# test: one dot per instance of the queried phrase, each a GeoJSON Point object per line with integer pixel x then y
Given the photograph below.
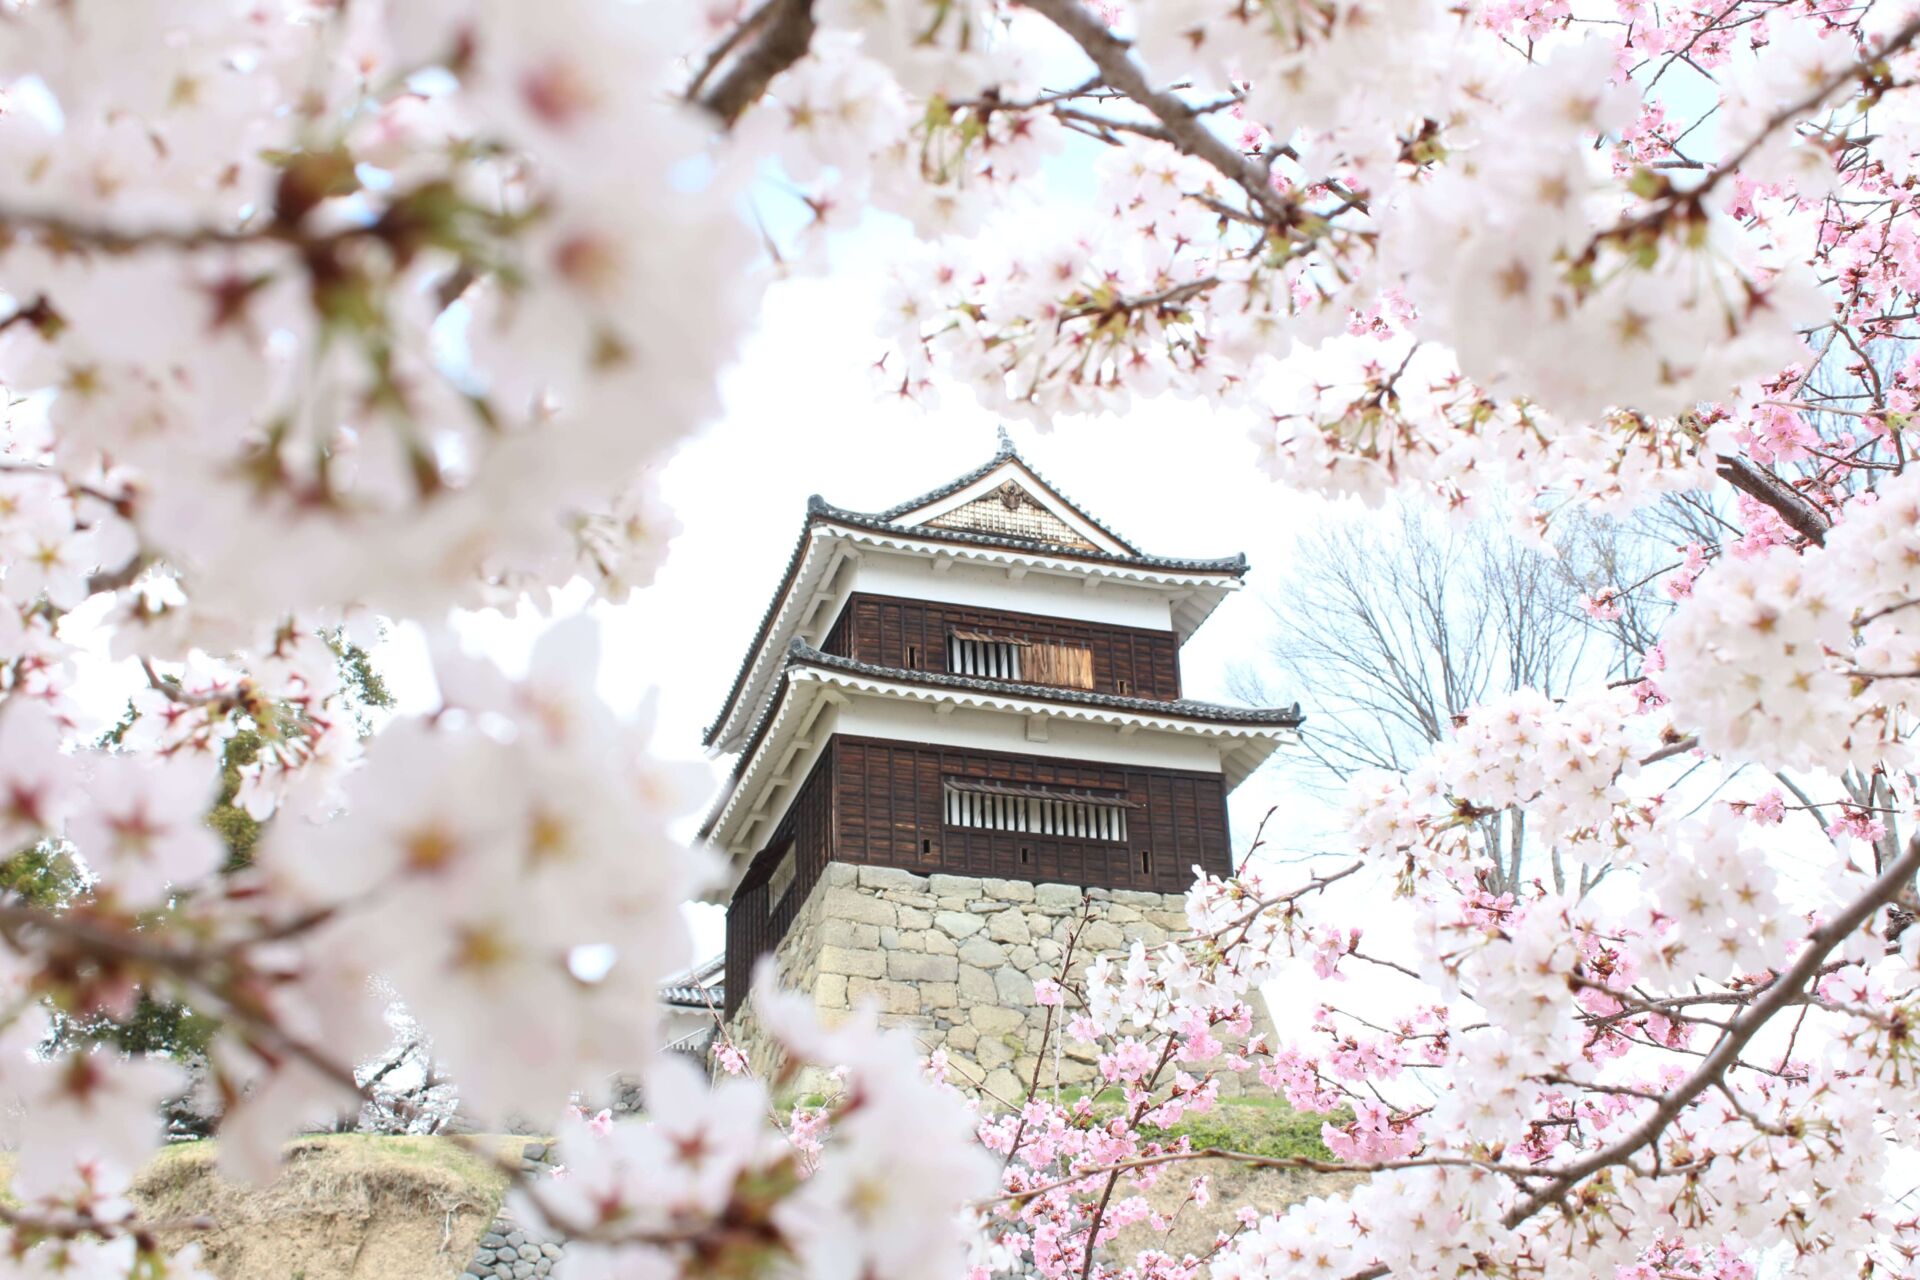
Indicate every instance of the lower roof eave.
{"type": "Point", "coordinates": [1249, 735]}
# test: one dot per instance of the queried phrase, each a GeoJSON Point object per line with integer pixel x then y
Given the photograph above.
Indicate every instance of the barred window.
{"type": "Point", "coordinates": [971, 653]}
{"type": "Point", "coordinates": [1039, 810]}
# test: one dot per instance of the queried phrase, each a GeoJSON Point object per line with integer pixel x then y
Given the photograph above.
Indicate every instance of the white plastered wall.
{"type": "Point", "coordinates": [981, 586]}
{"type": "Point", "coordinates": [973, 729]}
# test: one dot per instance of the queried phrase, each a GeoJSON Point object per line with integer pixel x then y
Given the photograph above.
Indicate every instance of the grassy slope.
{"type": "Point", "coordinates": [1259, 1126]}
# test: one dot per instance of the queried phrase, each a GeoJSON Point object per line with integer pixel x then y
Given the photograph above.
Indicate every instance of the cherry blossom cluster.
{"type": "Point", "coordinates": [322, 316]}
{"type": "Point", "coordinates": [1564, 764]}
{"type": "Point", "coordinates": [385, 357]}
{"type": "Point", "coordinates": [1807, 657]}
{"type": "Point", "coordinates": [873, 1182]}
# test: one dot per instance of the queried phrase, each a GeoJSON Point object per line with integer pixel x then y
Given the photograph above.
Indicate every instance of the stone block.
{"type": "Point", "coordinates": [963, 1038]}
{"type": "Point", "coordinates": [961, 1069]}
{"type": "Point", "coordinates": [959, 924]}
{"type": "Point", "coordinates": [839, 875]}
{"type": "Point", "coordinates": [1008, 890]}
{"type": "Point", "coordinates": [953, 886]}
{"type": "Point", "coordinates": [1141, 898]}
{"type": "Point", "coordinates": [830, 991]}
{"type": "Point", "coordinates": [939, 943]}
{"type": "Point", "coordinates": [1144, 931]}
{"type": "Point", "coordinates": [1055, 899]}
{"type": "Point", "coordinates": [913, 918]}
{"type": "Point", "coordinates": [979, 951]}
{"type": "Point", "coordinates": [889, 937]}
{"type": "Point", "coordinates": [918, 901]}
{"type": "Point", "coordinates": [917, 966]}
{"type": "Point", "coordinates": [1101, 935]}
{"type": "Point", "coordinates": [891, 878]}
{"type": "Point", "coordinates": [854, 964]}
{"type": "Point", "coordinates": [846, 933]}
{"type": "Point", "coordinates": [862, 908]}
{"type": "Point", "coordinates": [1013, 989]}
{"type": "Point", "coordinates": [1023, 958]}
{"type": "Point", "coordinates": [1048, 951]}
{"type": "Point", "coordinates": [888, 997]}
{"type": "Point", "coordinates": [1073, 1071]}
{"type": "Point", "coordinates": [976, 985]}
{"type": "Point", "coordinates": [1002, 1084]}
{"type": "Point", "coordinates": [938, 995]}
{"type": "Point", "coordinates": [1009, 926]}
{"type": "Point", "coordinates": [993, 1052]}
{"type": "Point", "coordinates": [992, 1020]}
{"type": "Point", "coordinates": [1119, 914]}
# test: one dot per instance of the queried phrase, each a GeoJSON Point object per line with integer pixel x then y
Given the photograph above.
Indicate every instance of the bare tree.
{"type": "Point", "coordinates": [1388, 632]}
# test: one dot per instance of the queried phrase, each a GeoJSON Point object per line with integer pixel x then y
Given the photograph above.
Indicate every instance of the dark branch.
{"type": "Point", "coordinates": [784, 31]}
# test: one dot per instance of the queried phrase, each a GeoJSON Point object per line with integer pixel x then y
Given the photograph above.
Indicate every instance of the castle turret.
{"type": "Point", "coordinates": [961, 738]}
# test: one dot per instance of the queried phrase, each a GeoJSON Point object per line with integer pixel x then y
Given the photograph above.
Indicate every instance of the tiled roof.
{"type": "Point", "coordinates": [1002, 454]}
{"type": "Point", "coordinates": [819, 509]}
{"type": "Point", "coordinates": [698, 988]}
{"type": "Point", "coordinates": [818, 506]}
{"type": "Point", "coordinates": [801, 654]}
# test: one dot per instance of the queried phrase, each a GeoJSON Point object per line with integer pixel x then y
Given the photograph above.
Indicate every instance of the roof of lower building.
{"type": "Point", "coordinates": [701, 987]}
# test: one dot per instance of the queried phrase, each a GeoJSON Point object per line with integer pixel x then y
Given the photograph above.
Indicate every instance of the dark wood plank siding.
{"type": "Point", "coordinates": [896, 632]}
{"type": "Point", "coordinates": [755, 927]}
{"type": "Point", "coordinates": [891, 812]}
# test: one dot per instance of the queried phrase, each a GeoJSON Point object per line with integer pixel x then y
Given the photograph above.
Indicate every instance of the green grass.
{"type": "Point", "coordinates": [1260, 1126]}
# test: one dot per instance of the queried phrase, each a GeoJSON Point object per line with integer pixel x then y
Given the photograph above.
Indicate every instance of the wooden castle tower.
{"type": "Point", "coordinates": [961, 738]}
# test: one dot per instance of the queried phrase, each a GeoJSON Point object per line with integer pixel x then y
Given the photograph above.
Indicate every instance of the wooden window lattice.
{"type": "Point", "coordinates": [973, 653]}
{"type": "Point", "coordinates": [1066, 665]}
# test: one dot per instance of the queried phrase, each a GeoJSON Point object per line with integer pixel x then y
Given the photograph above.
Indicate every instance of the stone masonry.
{"type": "Point", "coordinates": [955, 958]}
{"type": "Point", "coordinates": [509, 1250]}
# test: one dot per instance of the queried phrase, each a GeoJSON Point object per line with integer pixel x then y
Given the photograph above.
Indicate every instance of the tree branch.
{"type": "Point", "coordinates": [1770, 490]}
{"type": "Point", "coordinates": [1787, 990]}
{"type": "Point", "coordinates": [1184, 128]}
{"type": "Point", "coordinates": [785, 32]}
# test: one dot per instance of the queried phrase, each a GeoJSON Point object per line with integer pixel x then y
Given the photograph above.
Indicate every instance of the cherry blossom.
{"type": "Point", "coordinates": [322, 318]}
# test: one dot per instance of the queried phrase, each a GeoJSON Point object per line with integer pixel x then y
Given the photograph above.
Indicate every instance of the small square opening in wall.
{"type": "Point", "coordinates": [1026, 855]}
{"type": "Point", "coordinates": [1122, 688]}
{"type": "Point", "coordinates": [1146, 862]}
{"type": "Point", "coordinates": [913, 657]}
{"type": "Point", "coordinates": [782, 878]}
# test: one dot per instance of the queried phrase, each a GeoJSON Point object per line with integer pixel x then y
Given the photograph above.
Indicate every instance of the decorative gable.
{"type": "Point", "coordinates": [1010, 511]}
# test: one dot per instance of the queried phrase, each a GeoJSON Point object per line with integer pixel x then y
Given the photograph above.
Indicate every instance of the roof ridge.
{"type": "Point", "coordinates": [1006, 451]}
{"type": "Point", "coordinates": [1235, 563]}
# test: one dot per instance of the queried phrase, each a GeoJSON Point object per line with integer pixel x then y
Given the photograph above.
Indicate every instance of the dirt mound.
{"type": "Point", "coordinates": [348, 1207]}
